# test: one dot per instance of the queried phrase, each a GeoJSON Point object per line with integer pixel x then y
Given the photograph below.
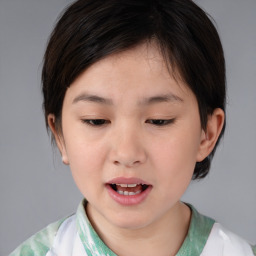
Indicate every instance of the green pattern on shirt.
{"type": "Point", "coordinates": [40, 243]}
{"type": "Point", "coordinates": [199, 230]}
{"type": "Point", "coordinates": [254, 249]}
{"type": "Point", "coordinates": [92, 243]}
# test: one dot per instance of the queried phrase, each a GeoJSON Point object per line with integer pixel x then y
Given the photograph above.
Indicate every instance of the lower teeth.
{"type": "Point", "coordinates": [127, 193]}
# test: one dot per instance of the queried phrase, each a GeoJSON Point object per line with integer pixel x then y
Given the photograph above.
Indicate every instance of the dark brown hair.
{"type": "Point", "coordinates": [90, 30]}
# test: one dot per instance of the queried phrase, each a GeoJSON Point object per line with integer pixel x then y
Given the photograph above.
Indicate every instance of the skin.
{"type": "Point", "coordinates": [130, 143]}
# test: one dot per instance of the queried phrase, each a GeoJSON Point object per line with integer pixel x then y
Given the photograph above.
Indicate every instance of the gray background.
{"type": "Point", "coordinates": [37, 189]}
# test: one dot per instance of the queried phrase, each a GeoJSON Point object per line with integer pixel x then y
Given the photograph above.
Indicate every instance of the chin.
{"type": "Point", "coordinates": [130, 221]}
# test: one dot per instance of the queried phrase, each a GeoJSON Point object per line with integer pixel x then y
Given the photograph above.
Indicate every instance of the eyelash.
{"type": "Point", "coordinates": [160, 122]}
{"type": "Point", "coordinates": [95, 122]}
{"type": "Point", "coordinates": [101, 122]}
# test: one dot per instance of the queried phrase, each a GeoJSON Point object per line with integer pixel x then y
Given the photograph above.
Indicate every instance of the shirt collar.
{"type": "Point", "coordinates": [198, 233]}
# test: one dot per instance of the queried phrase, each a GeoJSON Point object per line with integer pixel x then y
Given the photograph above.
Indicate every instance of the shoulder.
{"type": "Point", "coordinates": [221, 241]}
{"type": "Point", "coordinates": [40, 243]}
{"type": "Point", "coordinates": [254, 249]}
{"type": "Point", "coordinates": [206, 237]}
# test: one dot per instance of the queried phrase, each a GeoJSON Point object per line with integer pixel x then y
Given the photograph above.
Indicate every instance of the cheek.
{"type": "Point", "coordinates": [174, 176]}
{"type": "Point", "coordinates": [176, 159]}
{"type": "Point", "coordinates": [176, 169]}
{"type": "Point", "coordinates": [85, 160]}
{"type": "Point", "coordinates": [81, 149]}
{"type": "Point", "coordinates": [86, 171]}
{"type": "Point", "coordinates": [177, 152]}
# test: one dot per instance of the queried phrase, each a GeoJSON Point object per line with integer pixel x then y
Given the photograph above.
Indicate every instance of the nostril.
{"type": "Point", "coordinates": [127, 153]}
{"type": "Point", "coordinates": [126, 163]}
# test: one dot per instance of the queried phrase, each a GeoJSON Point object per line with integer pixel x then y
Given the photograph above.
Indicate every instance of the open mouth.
{"type": "Point", "coordinates": [129, 189]}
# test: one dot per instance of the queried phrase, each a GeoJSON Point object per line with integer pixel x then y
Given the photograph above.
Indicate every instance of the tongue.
{"type": "Point", "coordinates": [134, 189]}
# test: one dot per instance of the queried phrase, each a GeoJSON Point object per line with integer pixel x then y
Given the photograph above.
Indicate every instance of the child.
{"type": "Point", "coordinates": [134, 95]}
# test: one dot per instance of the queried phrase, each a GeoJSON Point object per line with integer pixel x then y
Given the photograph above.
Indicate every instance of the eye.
{"type": "Point", "coordinates": [160, 122]}
{"type": "Point", "coordinates": [95, 122]}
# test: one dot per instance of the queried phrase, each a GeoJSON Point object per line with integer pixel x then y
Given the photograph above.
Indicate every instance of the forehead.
{"type": "Point", "coordinates": [146, 57]}
{"type": "Point", "coordinates": [140, 71]}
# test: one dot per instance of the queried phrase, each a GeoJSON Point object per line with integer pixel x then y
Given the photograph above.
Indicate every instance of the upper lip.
{"type": "Point", "coordinates": [123, 180]}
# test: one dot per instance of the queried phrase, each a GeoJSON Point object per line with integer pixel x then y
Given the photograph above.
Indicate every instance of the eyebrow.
{"type": "Point", "coordinates": [170, 97]}
{"type": "Point", "coordinates": [92, 98]}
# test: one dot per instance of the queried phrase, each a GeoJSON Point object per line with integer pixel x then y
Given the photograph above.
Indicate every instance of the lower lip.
{"type": "Point", "coordinates": [128, 200]}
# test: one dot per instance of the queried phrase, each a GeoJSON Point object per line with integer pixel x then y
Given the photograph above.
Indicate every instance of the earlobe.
{"type": "Point", "coordinates": [58, 138]}
{"type": "Point", "coordinates": [211, 134]}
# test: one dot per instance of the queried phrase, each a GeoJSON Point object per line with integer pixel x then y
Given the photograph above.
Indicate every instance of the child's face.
{"type": "Point", "coordinates": [125, 120]}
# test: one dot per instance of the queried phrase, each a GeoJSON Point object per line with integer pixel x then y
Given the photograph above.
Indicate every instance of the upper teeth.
{"type": "Point", "coordinates": [127, 185]}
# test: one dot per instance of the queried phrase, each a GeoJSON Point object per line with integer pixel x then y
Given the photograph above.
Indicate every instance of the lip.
{"type": "Point", "coordinates": [123, 180]}
{"type": "Point", "coordinates": [131, 200]}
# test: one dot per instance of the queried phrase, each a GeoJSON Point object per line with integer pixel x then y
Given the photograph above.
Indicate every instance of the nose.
{"type": "Point", "coordinates": [128, 148]}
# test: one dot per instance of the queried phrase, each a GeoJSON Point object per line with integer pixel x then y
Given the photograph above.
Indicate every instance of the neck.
{"type": "Point", "coordinates": [164, 237]}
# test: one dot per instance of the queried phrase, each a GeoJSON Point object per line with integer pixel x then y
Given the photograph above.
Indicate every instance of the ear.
{"type": "Point", "coordinates": [58, 138]}
{"type": "Point", "coordinates": [211, 134]}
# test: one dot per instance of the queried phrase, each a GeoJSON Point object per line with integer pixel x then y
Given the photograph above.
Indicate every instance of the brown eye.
{"type": "Point", "coordinates": [160, 122]}
{"type": "Point", "coordinates": [95, 122]}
